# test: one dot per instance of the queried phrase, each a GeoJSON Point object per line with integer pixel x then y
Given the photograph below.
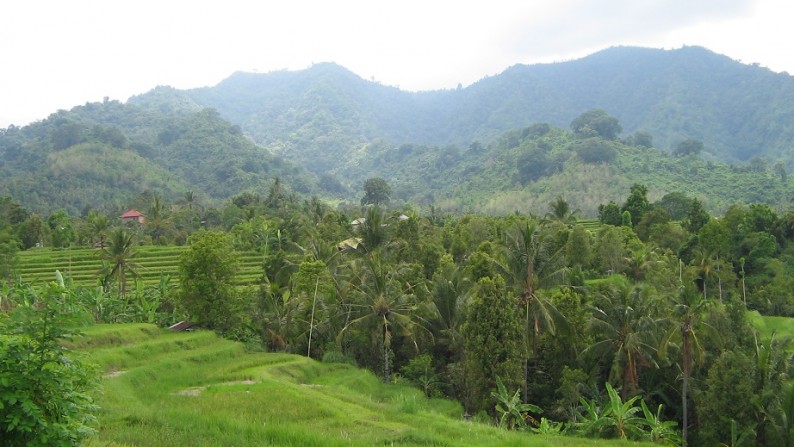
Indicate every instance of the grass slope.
{"type": "Point", "coordinates": [781, 327]}
{"type": "Point", "coordinates": [163, 388]}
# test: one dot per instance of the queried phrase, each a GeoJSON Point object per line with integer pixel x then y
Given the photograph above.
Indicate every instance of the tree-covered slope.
{"type": "Point", "coordinates": [104, 154]}
{"type": "Point", "coordinates": [526, 169]}
{"type": "Point", "coordinates": [320, 115]}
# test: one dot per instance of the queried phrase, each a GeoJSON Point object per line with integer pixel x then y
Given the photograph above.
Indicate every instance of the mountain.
{"type": "Point", "coordinates": [105, 154]}
{"type": "Point", "coordinates": [319, 116]}
{"type": "Point", "coordinates": [324, 130]}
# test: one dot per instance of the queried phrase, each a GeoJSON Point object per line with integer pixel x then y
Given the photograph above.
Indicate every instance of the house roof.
{"type": "Point", "coordinates": [129, 214]}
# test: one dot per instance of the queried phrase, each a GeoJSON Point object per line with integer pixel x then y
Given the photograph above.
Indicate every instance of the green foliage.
{"type": "Point", "coordinates": [637, 203]}
{"type": "Point", "coordinates": [510, 411]}
{"type": "Point", "coordinates": [595, 150]}
{"type": "Point", "coordinates": [376, 192]}
{"type": "Point", "coordinates": [688, 147]}
{"type": "Point", "coordinates": [419, 370]}
{"type": "Point", "coordinates": [596, 122]}
{"type": "Point", "coordinates": [610, 214]}
{"type": "Point", "coordinates": [492, 334]}
{"type": "Point", "coordinates": [729, 382]}
{"type": "Point", "coordinates": [45, 389]}
{"type": "Point", "coordinates": [206, 274]}
{"type": "Point", "coordinates": [657, 430]}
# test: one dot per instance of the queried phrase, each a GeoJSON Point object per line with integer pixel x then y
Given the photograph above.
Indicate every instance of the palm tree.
{"type": "Point", "coordinates": [190, 199]}
{"type": "Point", "coordinates": [688, 312]}
{"type": "Point", "coordinates": [560, 210]}
{"type": "Point", "coordinates": [120, 255]}
{"type": "Point", "coordinates": [533, 263]}
{"type": "Point", "coordinates": [98, 225]}
{"type": "Point", "coordinates": [450, 290]}
{"type": "Point", "coordinates": [387, 304]}
{"type": "Point", "coordinates": [772, 364]}
{"type": "Point", "coordinates": [625, 326]}
{"type": "Point", "coordinates": [705, 265]}
{"type": "Point", "coordinates": [157, 221]}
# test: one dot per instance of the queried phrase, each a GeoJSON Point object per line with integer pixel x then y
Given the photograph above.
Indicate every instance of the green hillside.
{"type": "Point", "coordinates": [105, 154]}
{"type": "Point", "coordinates": [526, 169]}
{"type": "Point", "coordinates": [163, 388]}
{"type": "Point", "coordinates": [739, 111]}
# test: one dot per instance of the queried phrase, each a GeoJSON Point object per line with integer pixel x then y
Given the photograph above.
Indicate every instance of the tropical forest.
{"type": "Point", "coordinates": [591, 252]}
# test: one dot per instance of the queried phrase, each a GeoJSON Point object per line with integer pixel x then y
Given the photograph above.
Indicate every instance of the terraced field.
{"type": "Point", "coordinates": [164, 389]}
{"type": "Point", "coordinates": [83, 265]}
{"type": "Point", "coordinates": [591, 225]}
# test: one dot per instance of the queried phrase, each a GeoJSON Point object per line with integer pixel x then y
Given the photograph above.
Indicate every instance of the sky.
{"type": "Point", "coordinates": [58, 54]}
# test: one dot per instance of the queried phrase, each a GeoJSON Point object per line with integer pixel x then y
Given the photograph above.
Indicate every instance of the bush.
{"type": "Point", "coordinates": [44, 388]}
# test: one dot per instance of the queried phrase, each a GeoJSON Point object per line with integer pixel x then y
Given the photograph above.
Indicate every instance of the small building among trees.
{"type": "Point", "coordinates": [132, 215]}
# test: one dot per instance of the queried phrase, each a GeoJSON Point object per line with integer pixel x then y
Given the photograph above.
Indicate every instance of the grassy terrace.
{"type": "Point", "coordinates": [83, 265]}
{"type": "Point", "coordinates": [163, 389]}
{"type": "Point", "coordinates": [782, 327]}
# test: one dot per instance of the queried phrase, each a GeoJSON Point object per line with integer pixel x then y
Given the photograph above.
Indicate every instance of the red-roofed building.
{"type": "Point", "coordinates": [132, 216]}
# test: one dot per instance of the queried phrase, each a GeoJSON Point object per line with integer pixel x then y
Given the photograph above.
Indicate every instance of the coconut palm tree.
{"type": "Point", "coordinates": [626, 329]}
{"type": "Point", "coordinates": [689, 310]}
{"type": "Point", "coordinates": [98, 226]}
{"type": "Point", "coordinates": [386, 303]}
{"type": "Point", "coordinates": [560, 211]}
{"type": "Point", "coordinates": [450, 290]}
{"type": "Point", "coordinates": [532, 262]}
{"type": "Point", "coordinates": [120, 255]}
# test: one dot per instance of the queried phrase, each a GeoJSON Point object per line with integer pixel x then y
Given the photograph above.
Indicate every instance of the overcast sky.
{"type": "Point", "coordinates": [57, 54]}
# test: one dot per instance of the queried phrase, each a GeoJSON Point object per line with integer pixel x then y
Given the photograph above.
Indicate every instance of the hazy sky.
{"type": "Point", "coordinates": [57, 54]}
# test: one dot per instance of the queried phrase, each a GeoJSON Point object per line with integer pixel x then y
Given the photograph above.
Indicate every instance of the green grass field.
{"type": "Point", "coordinates": [782, 327]}
{"type": "Point", "coordinates": [83, 265]}
{"type": "Point", "coordinates": [164, 389]}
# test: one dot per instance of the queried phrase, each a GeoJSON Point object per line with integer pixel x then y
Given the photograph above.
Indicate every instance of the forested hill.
{"type": "Point", "coordinates": [105, 154]}
{"type": "Point", "coordinates": [323, 131]}
{"type": "Point", "coordinates": [321, 114]}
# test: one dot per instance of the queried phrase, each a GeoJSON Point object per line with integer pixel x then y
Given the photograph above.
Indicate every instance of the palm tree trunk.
{"type": "Point", "coordinates": [524, 389]}
{"type": "Point", "coordinates": [685, 384]}
{"type": "Point", "coordinates": [386, 377]}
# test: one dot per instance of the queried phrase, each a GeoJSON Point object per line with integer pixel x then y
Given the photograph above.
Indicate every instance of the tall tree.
{"type": "Point", "coordinates": [98, 226]}
{"type": "Point", "coordinates": [637, 202]}
{"type": "Point", "coordinates": [596, 122]}
{"type": "Point", "coordinates": [688, 318]}
{"type": "Point", "coordinates": [492, 334]}
{"type": "Point", "coordinates": [376, 192]}
{"type": "Point", "coordinates": [206, 279]}
{"type": "Point", "coordinates": [626, 328]}
{"type": "Point", "coordinates": [120, 254]}
{"type": "Point", "coordinates": [387, 303]}
{"type": "Point", "coordinates": [532, 262]}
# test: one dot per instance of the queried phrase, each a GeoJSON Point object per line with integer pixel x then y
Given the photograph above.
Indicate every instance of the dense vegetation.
{"type": "Point", "coordinates": [110, 154]}
{"type": "Point", "coordinates": [655, 321]}
{"type": "Point", "coordinates": [107, 153]}
{"type": "Point", "coordinates": [738, 111]}
{"type": "Point", "coordinates": [541, 323]}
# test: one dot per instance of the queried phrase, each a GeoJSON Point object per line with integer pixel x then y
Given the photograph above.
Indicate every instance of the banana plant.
{"type": "Point", "coordinates": [512, 413]}
{"type": "Point", "coordinates": [657, 430]}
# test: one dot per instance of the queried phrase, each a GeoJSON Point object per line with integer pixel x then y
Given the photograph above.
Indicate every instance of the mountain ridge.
{"type": "Point", "coordinates": [739, 111]}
